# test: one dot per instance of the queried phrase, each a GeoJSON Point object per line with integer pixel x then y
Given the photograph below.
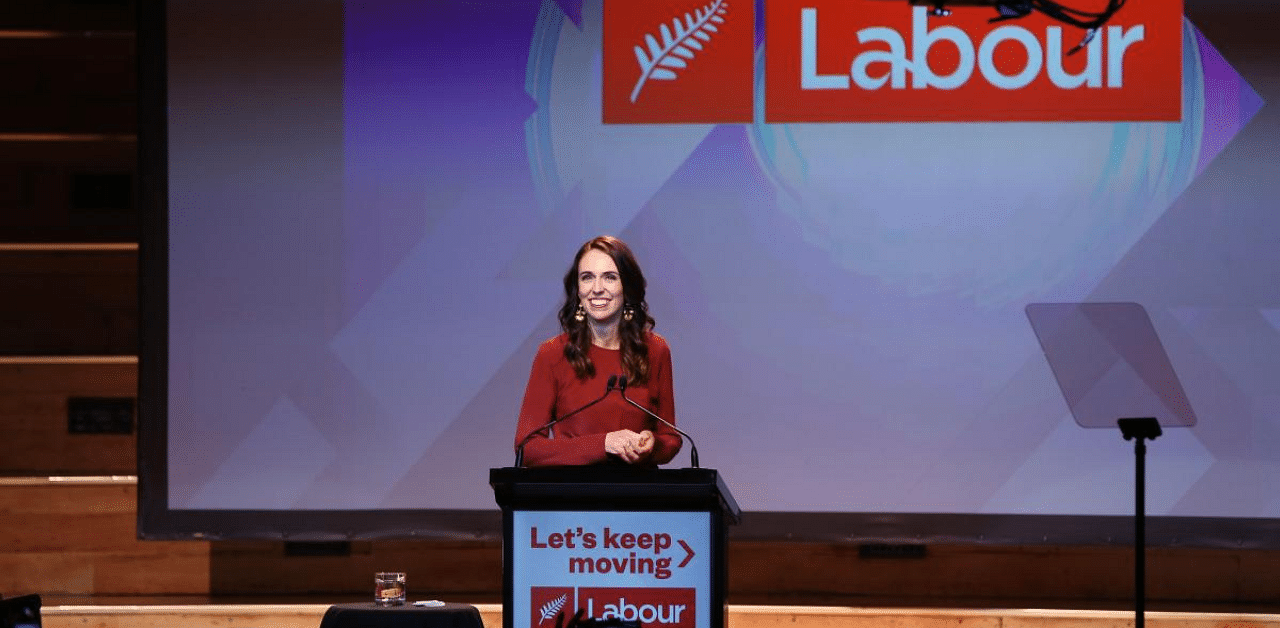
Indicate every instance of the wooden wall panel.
{"type": "Point", "coordinates": [33, 417]}
{"type": "Point", "coordinates": [68, 83]}
{"type": "Point", "coordinates": [69, 303]}
{"type": "Point", "coordinates": [436, 569]}
{"type": "Point", "coordinates": [195, 616]}
{"type": "Point", "coordinates": [77, 538]}
{"type": "Point", "coordinates": [1259, 576]}
{"type": "Point", "coordinates": [978, 575]}
{"type": "Point", "coordinates": [39, 181]}
{"type": "Point", "coordinates": [68, 15]}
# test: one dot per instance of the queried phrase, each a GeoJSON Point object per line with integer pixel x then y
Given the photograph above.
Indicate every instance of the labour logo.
{"type": "Point", "coordinates": [547, 602]}
{"type": "Point", "coordinates": [890, 61]}
{"type": "Point", "coordinates": [652, 607]}
{"type": "Point", "coordinates": [678, 61]}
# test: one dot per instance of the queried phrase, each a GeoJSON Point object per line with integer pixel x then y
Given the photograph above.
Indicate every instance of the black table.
{"type": "Point", "coordinates": [370, 615]}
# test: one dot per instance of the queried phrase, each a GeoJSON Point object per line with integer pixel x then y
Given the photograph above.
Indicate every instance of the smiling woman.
{"type": "Point", "coordinates": [607, 335]}
{"type": "Point", "coordinates": [600, 296]}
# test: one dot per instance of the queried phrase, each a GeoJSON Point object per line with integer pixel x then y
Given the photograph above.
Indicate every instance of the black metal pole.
{"type": "Point", "coordinates": [1140, 430]}
{"type": "Point", "coordinates": [1140, 535]}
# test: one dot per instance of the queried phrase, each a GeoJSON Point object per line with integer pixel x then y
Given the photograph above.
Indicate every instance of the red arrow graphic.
{"type": "Point", "coordinates": [687, 557]}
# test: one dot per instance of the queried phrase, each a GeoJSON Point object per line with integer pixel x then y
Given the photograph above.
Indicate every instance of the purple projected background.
{"type": "Point", "coordinates": [357, 297]}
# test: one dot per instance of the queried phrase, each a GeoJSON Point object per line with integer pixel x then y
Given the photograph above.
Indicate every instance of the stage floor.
{"type": "Point", "coordinates": [196, 615]}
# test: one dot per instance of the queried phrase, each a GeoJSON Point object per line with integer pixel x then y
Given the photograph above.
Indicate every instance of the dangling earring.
{"type": "Point", "coordinates": [580, 314]}
{"type": "Point", "coordinates": [628, 313]}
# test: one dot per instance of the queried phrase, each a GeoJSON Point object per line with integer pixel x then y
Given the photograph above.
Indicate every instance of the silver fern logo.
{"type": "Point", "coordinates": [550, 609]}
{"type": "Point", "coordinates": [680, 42]}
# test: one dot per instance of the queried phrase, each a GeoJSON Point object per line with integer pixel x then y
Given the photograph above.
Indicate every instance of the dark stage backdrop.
{"type": "Point", "coordinates": [360, 215]}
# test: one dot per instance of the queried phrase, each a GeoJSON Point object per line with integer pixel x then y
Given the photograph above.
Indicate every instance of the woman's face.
{"type": "Point", "coordinates": [599, 286]}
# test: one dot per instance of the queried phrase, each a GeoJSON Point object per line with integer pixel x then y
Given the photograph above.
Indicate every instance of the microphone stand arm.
{"type": "Point", "coordinates": [693, 447]}
{"type": "Point", "coordinates": [525, 441]}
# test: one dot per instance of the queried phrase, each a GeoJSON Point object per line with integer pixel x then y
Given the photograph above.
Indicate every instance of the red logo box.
{"type": "Point", "coordinates": [890, 61]}
{"type": "Point", "coordinates": [547, 602]}
{"type": "Point", "coordinates": [652, 607]}
{"type": "Point", "coordinates": [678, 61]}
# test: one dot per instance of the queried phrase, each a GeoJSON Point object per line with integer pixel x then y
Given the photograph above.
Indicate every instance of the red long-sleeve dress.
{"type": "Point", "coordinates": [555, 390]}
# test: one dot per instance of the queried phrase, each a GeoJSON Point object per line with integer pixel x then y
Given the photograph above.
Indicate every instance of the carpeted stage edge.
{"type": "Point", "coordinates": [309, 615]}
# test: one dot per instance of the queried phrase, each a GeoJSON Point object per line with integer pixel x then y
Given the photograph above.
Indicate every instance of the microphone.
{"type": "Point", "coordinates": [693, 447]}
{"type": "Point", "coordinates": [613, 381]}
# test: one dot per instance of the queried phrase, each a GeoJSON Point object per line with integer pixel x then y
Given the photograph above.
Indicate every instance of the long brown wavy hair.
{"type": "Point", "coordinates": [631, 333]}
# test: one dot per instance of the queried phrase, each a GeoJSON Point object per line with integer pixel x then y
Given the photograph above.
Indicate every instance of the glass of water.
{"type": "Point", "coordinates": [388, 588]}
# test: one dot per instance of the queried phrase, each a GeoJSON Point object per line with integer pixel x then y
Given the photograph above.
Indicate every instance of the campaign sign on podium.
{"type": "Point", "coordinates": [644, 546]}
{"type": "Point", "coordinates": [627, 565]}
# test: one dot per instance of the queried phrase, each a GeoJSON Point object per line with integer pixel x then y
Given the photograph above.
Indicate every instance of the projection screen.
{"type": "Point", "coordinates": [359, 216]}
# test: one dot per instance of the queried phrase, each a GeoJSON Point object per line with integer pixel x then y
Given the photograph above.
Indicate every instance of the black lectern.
{"type": "Point", "coordinates": [624, 544]}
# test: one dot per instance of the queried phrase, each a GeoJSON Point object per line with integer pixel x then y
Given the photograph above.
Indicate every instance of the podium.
{"type": "Point", "coordinates": [629, 545]}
